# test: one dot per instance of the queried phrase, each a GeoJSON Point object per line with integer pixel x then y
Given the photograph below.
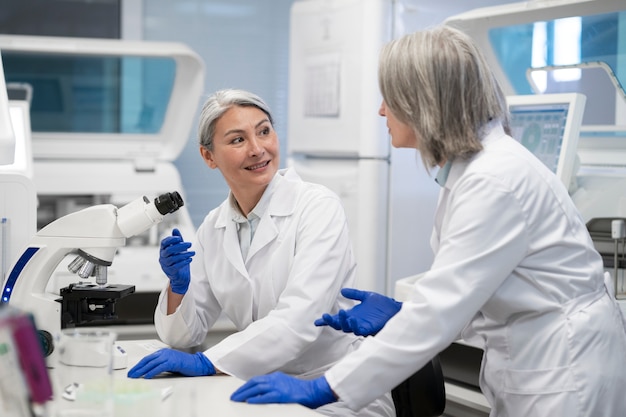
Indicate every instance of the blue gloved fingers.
{"type": "Point", "coordinates": [158, 363]}
{"type": "Point", "coordinates": [361, 328]}
{"type": "Point", "coordinates": [178, 272]}
{"type": "Point", "coordinates": [137, 370]}
{"type": "Point", "coordinates": [269, 397]}
{"type": "Point", "coordinates": [368, 317]}
{"type": "Point", "coordinates": [170, 360]}
{"type": "Point", "coordinates": [176, 261]}
{"type": "Point", "coordinates": [176, 236]}
{"type": "Point", "coordinates": [328, 320]}
{"type": "Point", "coordinates": [254, 387]}
{"type": "Point", "coordinates": [157, 369]}
{"type": "Point", "coordinates": [344, 322]}
{"type": "Point", "coordinates": [355, 294]}
{"type": "Point", "coordinates": [320, 322]}
{"type": "Point", "coordinates": [149, 366]}
{"type": "Point", "coordinates": [175, 239]}
{"type": "Point", "coordinates": [281, 388]}
{"type": "Point", "coordinates": [169, 241]}
{"type": "Point", "coordinates": [174, 258]}
{"type": "Point", "coordinates": [174, 249]}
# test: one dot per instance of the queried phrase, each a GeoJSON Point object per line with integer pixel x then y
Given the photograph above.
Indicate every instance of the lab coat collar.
{"type": "Point", "coordinates": [442, 175]}
{"type": "Point", "coordinates": [493, 131]}
{"type": "Point", "coordinates": [282, 202]}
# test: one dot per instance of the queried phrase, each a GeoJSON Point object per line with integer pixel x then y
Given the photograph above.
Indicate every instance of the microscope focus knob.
{"type": "Point", "coordinates": [46, 341]}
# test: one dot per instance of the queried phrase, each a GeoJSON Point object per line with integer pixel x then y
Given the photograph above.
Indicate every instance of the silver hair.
{"type": "Point", "coordinates": [217, 104]}
{"type": "Point", "coordinates": [438, 82]}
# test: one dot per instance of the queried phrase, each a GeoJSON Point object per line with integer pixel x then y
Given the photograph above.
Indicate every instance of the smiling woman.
{"type": "Point", "coordinates": [244, 148]}
{"type": "Point", "coordinates": [244, 43]}
{"type": "Point", "coordinates": [272, 258]}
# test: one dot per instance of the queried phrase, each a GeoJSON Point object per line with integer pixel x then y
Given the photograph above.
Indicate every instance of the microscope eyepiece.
{"type": "Point", "coordinates": [168, 202]}
{"type": "Point", "coordinates": [141, 214]}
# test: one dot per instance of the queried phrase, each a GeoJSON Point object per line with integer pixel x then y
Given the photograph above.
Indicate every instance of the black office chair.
{"type": "Point", "coordinates": [423, 394]}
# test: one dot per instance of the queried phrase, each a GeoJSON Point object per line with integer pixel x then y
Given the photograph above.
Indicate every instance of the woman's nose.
{"type": "Point", "coordinates": [254, 147]}
{"type": "Point", "coordinates": [381, 110]}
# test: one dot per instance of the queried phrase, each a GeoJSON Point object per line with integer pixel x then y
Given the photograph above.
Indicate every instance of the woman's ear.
{"type": "Point", "coordinates": [207, 155]}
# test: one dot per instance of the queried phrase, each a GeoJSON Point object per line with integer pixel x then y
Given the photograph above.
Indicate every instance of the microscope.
{"type": "Point", "coordinates": [92, 234]}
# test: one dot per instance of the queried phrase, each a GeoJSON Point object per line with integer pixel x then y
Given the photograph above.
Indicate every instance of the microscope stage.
{"type": "Point", "coordinates": [88, 290]}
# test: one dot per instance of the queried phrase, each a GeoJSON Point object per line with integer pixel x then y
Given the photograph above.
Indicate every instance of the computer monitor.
{"type": "Point", "coordinates": [548, 125]}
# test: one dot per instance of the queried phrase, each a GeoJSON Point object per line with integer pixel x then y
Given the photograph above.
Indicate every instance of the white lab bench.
{"type": "Point", "coordinates": [188, 396]}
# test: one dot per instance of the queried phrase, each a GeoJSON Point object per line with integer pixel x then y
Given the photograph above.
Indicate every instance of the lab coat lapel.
{"type": "Point", "coordinates": [456, 170]}
{"type": "Point", "coordinates": [441, 208]}
{"type": "Point", "coordinates": [265, 234]}
{"type": "Point", "coordinates": [282, 203]}
{"type": "Point", "coordinates": [492, 132]}
{"type": "Point", "coordinates": [231, 240]}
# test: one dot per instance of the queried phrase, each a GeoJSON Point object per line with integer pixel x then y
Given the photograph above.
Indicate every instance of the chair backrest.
{"type": "Point", "coordinates": [423, 394]}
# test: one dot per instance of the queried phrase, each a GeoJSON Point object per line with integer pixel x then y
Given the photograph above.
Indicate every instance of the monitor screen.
{"type": "Point", "coordinates": [548, 126]}
{"type": "Point", "coordinates": [94, 94]}
{"type": "Point", "coordinates": [540, 128]}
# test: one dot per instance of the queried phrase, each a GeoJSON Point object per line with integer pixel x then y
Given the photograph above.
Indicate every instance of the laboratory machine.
{"type": "Point", "coordinates": [90, 237]}
{"type": "Point", "coordinates": [334, 135]}
{"type": "Point", "coordinates": [543, 50]}
{"type": "Point", "coordinates": [7, 137]}
{"type": "Point", "coordinates": [549, 126]}
{"type": "Point", "coordinates": [93, 235]}
{"type": "Point", "coordinates": [107, 117]}
{"type": "Point", "coordinates": [18, 198]}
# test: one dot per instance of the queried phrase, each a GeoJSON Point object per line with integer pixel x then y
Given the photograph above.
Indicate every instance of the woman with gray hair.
{"type": "Point", "coordinates": [272, 257]}
{"type": "Point", "coordinates": [515, 270]}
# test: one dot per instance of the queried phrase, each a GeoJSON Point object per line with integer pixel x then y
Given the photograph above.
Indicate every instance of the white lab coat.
{"type": "Point", "coordinates": [299, 259]}
{"type": "Point", "coordinates": [515, 271]}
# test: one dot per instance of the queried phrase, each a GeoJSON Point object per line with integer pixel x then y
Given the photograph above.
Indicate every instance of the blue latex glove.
{"type": "Point", "coordinates": [175, 258]}
{"type": "Point", "coordinates": [365, 319]}
{"type": "Point", "coordinates": [280, 388]}
{"type": "Point", "coordinates": [170, 360]}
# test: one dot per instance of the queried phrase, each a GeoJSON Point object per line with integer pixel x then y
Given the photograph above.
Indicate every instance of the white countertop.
{"type": "Point", "coordinates": [172, 395]}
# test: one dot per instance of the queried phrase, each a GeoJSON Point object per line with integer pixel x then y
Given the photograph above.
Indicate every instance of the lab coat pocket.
{"type": "Point", "coordinates": [538, 381]}
{"type": "Point", "coordinates": [538, 392]}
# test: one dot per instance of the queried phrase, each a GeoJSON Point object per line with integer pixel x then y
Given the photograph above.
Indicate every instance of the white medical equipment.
{"type": "Point", "coordinates": [549, 126]}
{"type": "Point", "coordinates": [108, 118]}
{"type": "Point", "coordinates": [7, 138]}
{"type": "Point", "coordinates": [92, 236]}
{"type": "Point", "coordinates": [18, 198]}
{"type": "Point", "coordinates": [19, 115]}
